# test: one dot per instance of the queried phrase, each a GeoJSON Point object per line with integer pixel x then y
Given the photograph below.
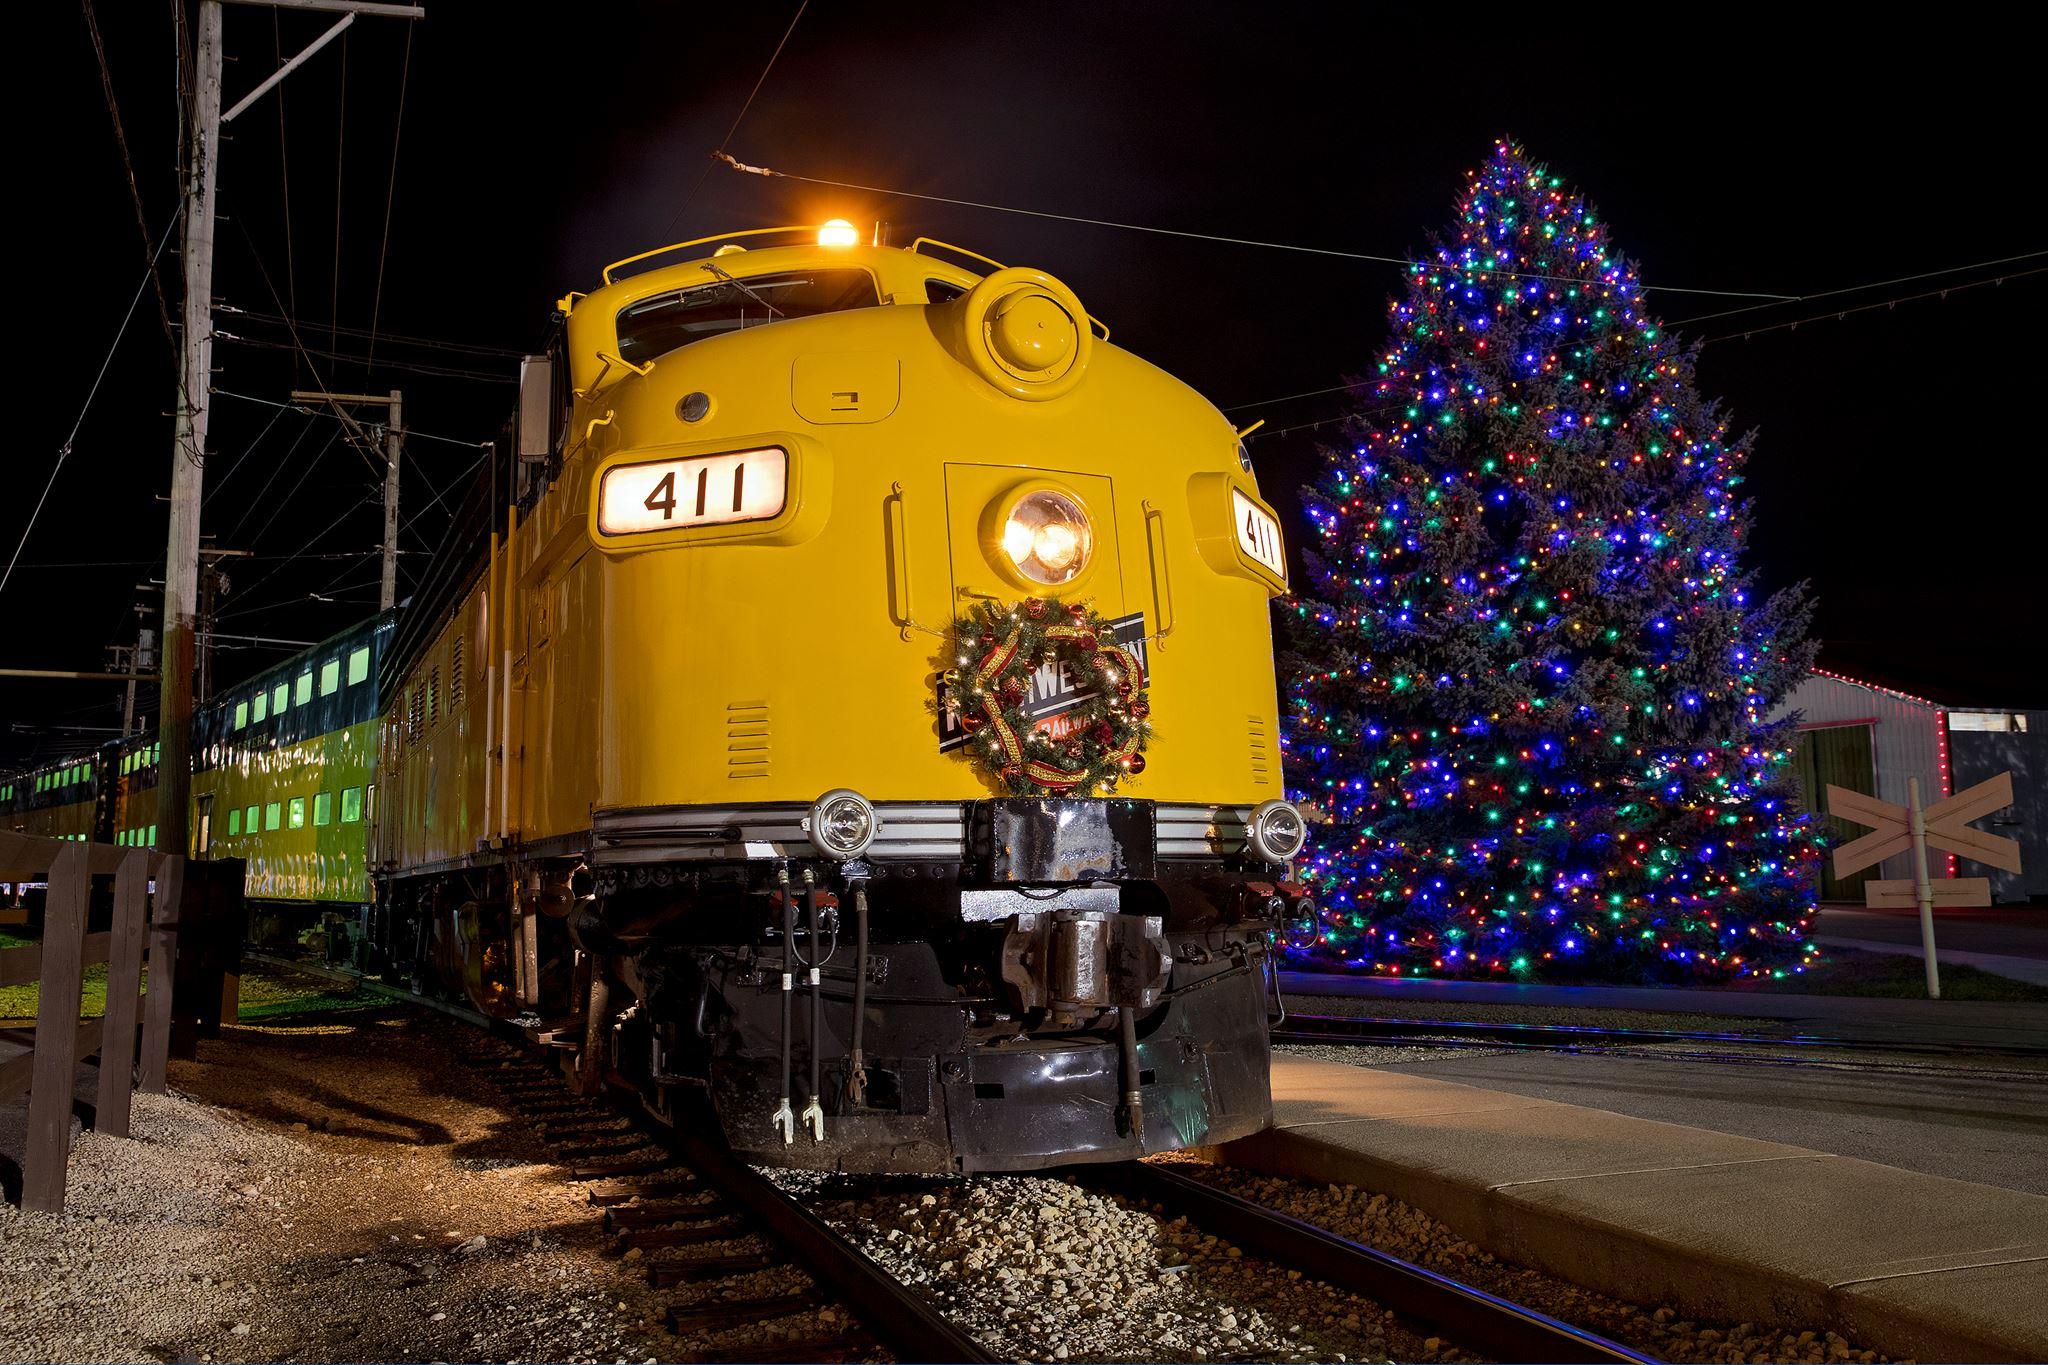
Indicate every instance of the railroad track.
{"type": "Point", "coordinates": [1476, 1320]}
{"type": "Point", "coordinates": [708, 1225]}
{"type": "Point", "coordinates": [1370, 1030]}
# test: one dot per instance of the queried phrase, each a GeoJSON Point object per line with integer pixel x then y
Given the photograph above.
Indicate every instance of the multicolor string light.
{"type": "Point", "coordinates": [1530, 684]}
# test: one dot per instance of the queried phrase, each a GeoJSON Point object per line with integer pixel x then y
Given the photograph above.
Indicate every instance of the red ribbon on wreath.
{"type": "Point", "coordinates": [1118, 732]}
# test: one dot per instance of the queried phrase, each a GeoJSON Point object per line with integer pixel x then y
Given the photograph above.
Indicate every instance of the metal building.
{"type": "Point", "coordinates": [1872, 739]}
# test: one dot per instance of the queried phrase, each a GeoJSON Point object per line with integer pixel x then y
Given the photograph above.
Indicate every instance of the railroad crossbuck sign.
{"type": "Point", "coordinates": [1944, 825]}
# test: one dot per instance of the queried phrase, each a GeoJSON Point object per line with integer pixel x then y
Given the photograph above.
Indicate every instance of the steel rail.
{"type": "Point", "coordinates": [1473, 1318]}
{"type": "Point", "coordinates": [912, 1328]}
{"type": "Point", "coordinates": [1325, 1028]}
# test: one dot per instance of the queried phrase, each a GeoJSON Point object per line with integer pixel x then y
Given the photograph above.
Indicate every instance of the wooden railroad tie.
{"type": "Point", "coordinates": [668, 1274]}
{"type": "Point", "coordinates": [656, 1213]}
{"type": "Point", "coordinates": [715, 1316]}
{"type": "Point", "coordinates": [674, 1235]}
{"type": "Point", "coordinates": [671, 1182]}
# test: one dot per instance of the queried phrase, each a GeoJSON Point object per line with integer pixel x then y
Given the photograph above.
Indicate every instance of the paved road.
{"type": "Point", "coordinates": [2008, 940]}
{"type": "Point", "coordinates": [1990, 1126]}
{"type": "Point", "coordinates": [1961, 1022]}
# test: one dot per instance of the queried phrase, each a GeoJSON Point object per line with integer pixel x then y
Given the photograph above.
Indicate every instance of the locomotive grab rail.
{"type": "Point", "coordinates": [1162, 576]}
{"type": "Point", "coordinates": [899, 561]}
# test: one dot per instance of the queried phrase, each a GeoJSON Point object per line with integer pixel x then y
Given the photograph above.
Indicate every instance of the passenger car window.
{"type": "Point", "coordinates": [655, 326]}
{"type": "Point", "coordinates": [938, 291]}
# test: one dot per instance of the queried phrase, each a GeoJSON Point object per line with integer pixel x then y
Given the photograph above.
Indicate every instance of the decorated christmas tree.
{"type": "Point", "coordinates": [1530, 675]}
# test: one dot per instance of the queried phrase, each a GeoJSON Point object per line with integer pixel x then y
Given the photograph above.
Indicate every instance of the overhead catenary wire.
{"type": "Point", "coordinates": [1733, 334]}
{"type": "Point", "coordinates": [726, 141]}
{"type": "Point", "coordinates": [1861, 288]}
{"type": "Point", "coordinates": [738, 165]}
{"type": "Point", "coordinates": [64, 450]}
{"type": "Point", "coordinates": [390, 196]}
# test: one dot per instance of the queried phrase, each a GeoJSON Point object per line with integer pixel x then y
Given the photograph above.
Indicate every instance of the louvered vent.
{"type": "Point", "coordinates": [746, 739]}
{"type": "Point", "coordinates": [415, 713]}
{"type": "Point", "coordinates": [433, 696]}
{"type": "Point", "coordinates": [455, 675]}
{"type": "Point", "coordinates": [1262, 753]}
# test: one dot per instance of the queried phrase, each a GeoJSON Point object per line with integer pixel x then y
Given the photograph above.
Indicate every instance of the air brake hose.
{"type": "Point", "coordinates": [1127, 1046]}
{"type": "Point", "coordinates": [785, 1117]}
{"type": "Point", "coordinates": [856, 1060]}
{"type": "Point", "coordinates": [814, 1112]}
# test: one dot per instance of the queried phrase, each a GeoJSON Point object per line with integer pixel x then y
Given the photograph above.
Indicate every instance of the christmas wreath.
{"type": "Point", "coordinates": [1090, 746]}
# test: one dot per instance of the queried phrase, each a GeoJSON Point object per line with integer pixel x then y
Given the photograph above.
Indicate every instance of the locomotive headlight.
{"type": "Point", "coordinates": [1277, 831]}
{"type": "Point", "coordinates": [1047, 537]}
{"type": "Point", "coordinates": [838, 232]}
{"type": "Point", "coordinates": [842, 824]}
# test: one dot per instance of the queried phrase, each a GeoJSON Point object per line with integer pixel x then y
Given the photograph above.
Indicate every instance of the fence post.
{"type": "Point", "coordinates": [47, 1152]}
{"type": "Point", "coordinates": [163, 944]}
{"type": "Point", "coordinates": [124, 984]}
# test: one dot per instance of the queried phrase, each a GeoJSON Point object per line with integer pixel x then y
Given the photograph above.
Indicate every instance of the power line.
{"type": "Point", "coordinates": [99, 52]}
{"type": "Point", "coordinates": [721, 155]}
{"type": "Point", "coordinates": [395, 338]}
{"type": "Point", "coordinates": [410, 430]}
{"type": "Point", "coordinates": [390, 195]}
{"type": "Point", "coordinates": [214, 486]}
{"type": "Point", "coordinates": [1745, 333]}
{"type": "Point", "coordinates": [64, 451]}
{"type": "Point", "coordinates": [727, 140]}
{"type": "Point", "coordinates": [1860, 288]}
{"type": "Point", "coordinates": [370, 363]}
{"type": "Point", "coordinates": [1738, 334]}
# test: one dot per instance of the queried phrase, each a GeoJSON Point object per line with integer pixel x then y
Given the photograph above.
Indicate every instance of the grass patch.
{"type": "Point", "coordinates": [1894, 976]}
{"type": "Point", "coordinates": [269, 994]}
{"type": "Point", "coordinates": [266, 993]}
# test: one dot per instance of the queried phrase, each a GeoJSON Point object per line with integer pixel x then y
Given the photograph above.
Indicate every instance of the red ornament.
{"type": "Point", "coordinates": [1034, 608]}
{"type": "Point", "coordinates": [1140, 709]}
{"type": "Point", "coordinates": [1090, 643]}
{"type": "Point", "coordinates": [1136, 763]}
{"type": "Point", "coordinates": [1104, 732]}
{"type": "Point", "coordinates": [972, 721]}
{"type": "Point", "coordinates": [1078, 610]}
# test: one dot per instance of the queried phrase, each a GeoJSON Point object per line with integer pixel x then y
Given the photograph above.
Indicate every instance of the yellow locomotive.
{"type": "Point", "coordinates": [695, 772]}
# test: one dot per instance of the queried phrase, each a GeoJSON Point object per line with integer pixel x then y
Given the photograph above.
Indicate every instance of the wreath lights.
{"type": "Point", "coordinates": [1095, 744]}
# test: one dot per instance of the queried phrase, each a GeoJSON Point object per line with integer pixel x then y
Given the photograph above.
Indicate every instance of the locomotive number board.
{"type": "Point", "coordinates": [1258, 534]}
{"type": "Point", "coordinates": [703, 490]}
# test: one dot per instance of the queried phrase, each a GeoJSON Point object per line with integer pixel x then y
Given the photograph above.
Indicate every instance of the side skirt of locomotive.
{"type": "Point", "coordinates": [996, 985]}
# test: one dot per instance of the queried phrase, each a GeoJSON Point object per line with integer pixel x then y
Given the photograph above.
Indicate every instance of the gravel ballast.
{"type": "Point", "coordinates": [327, 1191]}
{"type": "Point", "coordinates": [1042, 1269]}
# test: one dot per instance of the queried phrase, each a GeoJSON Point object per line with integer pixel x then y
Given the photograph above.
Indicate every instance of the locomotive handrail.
{"type": "Point", "coordinates": [899, 560]}
{"type": "Point", "coordinates": [700, 241]}
{"type": "Point", "coordinates": [976, 255]}
{"type": "Point", "coordinates": [610, 360]}
{"type": "Point", "coordinates": [1162, 576]}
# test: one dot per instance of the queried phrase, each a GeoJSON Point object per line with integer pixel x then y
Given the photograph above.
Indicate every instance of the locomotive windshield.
{"type": "Point", "coordinates": [658, 325]}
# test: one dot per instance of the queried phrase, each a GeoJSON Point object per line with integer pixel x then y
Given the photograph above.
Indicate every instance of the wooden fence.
{"type": "Point", "coordinates": [44, 1063]}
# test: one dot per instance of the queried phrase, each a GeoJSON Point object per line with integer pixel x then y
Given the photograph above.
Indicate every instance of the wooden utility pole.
{"type": "Point", "coordinates": [394, 450]}
{"type": "Point", "coordinates": [188, 444]}
{"type": "Point", "coordinates": [394, 447]}
{"type": "Point", "coordinates": [188, 447]}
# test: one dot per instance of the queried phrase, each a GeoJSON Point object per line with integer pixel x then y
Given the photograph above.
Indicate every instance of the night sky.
{"type": "Point", "coordinates": [1751, 154]}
